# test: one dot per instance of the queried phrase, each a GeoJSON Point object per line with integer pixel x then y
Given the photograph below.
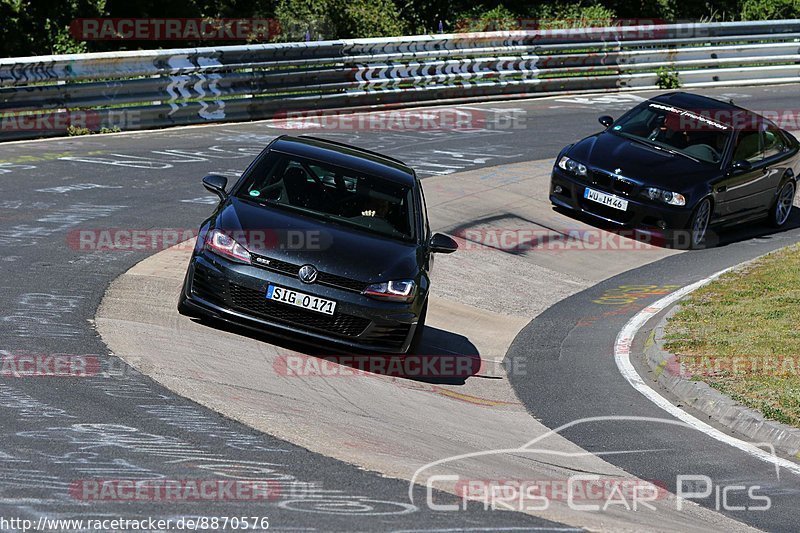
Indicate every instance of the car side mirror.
{"type": "Point", "coordinates": [216, 184]}
{"type": "Point", "coordinates": [606, 120]}
{"type": "Point", "coordinates": [741, 165]}
{"type": "Point", "coordinates": [442, 244]}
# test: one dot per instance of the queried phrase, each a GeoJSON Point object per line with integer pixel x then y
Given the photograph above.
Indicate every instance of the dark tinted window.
{"type": "Point", "coordinates": [332, 193]}
{"type": "Point", "coordinates": [774, 143]}
{"type": "Point", "coordinates": [748, 146]}
{"type": "Point", "coordinates": [694, 134]}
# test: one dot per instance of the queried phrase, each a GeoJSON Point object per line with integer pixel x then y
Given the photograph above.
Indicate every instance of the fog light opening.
{"type": "Point", "coordinates": [557, 189]}
{"type": "Point", "coordinates": [661, 224]}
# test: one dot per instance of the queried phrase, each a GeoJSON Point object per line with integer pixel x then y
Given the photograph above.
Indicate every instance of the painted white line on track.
{"type": "Point", "coordinates": [622, 351]}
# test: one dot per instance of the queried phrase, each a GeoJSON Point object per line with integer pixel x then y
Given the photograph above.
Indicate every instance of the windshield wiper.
{"type": "Point", "coordinates": [651, 144]}
{"type": "Point", "coordinates": [676, 152]}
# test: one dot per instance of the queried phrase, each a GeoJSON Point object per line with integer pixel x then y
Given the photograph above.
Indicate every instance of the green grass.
{"type": "Point", "coordinates": [741, 335]}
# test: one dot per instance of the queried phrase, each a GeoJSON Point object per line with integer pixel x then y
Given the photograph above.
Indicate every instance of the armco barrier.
{"type": "Point", "coordinates": [44, 96]}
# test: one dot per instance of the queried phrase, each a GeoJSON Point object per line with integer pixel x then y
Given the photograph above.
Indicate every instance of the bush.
{"type": "Point", "coordinates": [41, 27]}
{"type": "Point", "coordinates": [479, 19]}
{"type": "Point", "coordinates": [61, 40]}
{"type": "Point", "coordinates": [576, 15]}
{"type": "Point", "coordinates": [770, 9]}
{"type": "Point", "coordinates": [667, 79]}
{"type": "Point", "coordinates": [296, 17]}
{"type": "Point", "coordinates": [337, 19]}
{"type": "Point", "coordinates": [546, 16]}
{"type": "Point", "coordinates": [366, 18]}
{"type": "Point", "coordinates": [74, 131]}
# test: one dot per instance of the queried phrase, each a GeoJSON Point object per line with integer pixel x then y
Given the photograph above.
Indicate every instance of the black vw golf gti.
{"type": "Point", "coordinates": [318, 241]}
{"type": "Point", "coordinates": [677, 164]}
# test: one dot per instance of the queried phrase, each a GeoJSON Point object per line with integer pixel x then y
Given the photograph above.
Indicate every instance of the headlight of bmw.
{"type": "Point", "coordinates": [668, 197]}
{"type": "Point", "coordinates": [399, 290]}
{"type": "Point", "coordinates": [572, 166]}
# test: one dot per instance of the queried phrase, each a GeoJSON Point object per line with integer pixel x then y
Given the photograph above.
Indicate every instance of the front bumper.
{"type": "Point", "coordinates": [236, 293]}
{"type": "Point", "coordinates": [640, 213]}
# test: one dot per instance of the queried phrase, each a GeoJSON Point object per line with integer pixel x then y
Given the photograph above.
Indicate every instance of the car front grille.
{"type": "Point", "coordinates": [612, 183]}
{"type": "Point", "coordinates": [601, 179]}
{"type": "Point", "coordinates": [623, 187]}
{"type": "Point", "coordinates": [275, 265]}
{"type": "Point", "coordinates": [255, 303]}
{"type": "Point", "coordinates": [341, 282]}
{"type": "Point", "coordinates": [323, 278]}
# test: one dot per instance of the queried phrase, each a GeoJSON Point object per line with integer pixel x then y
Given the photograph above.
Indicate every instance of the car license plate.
{"type": "Point", "coordinates": [606, 199]}
{"type": "Point", "coordinates": [299, 299]}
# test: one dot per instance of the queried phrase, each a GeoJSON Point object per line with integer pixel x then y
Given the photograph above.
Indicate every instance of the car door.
{"type": "Point", "coordinates": [740, 191]}
{"type": "Point", "coordinates": [775, 163]}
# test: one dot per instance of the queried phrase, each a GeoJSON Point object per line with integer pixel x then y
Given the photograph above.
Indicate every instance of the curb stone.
{"type": "Point", "coordinates": [721, 408]}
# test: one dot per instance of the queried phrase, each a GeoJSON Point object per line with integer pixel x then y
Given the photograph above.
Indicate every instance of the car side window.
{"type": "Point", "coordinates": [424, 213]}
{"type": "Point", "coordinates": [749, 146]}
{"type": "Point", "coordinates": [774, 143]}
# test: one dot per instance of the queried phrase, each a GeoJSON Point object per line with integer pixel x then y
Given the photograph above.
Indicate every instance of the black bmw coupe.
{"type": "Point", "coordinates": [321, 242]}
{"type": "Point", "coordinates": [678, 164]}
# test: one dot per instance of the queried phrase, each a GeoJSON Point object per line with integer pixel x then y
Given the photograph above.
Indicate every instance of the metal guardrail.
{"type": "Point", "coordinates": [43, 96]}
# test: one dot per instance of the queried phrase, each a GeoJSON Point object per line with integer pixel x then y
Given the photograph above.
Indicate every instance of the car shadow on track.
{"type": "Point", "coordinates": [754, 230]}
{"type": "Point", "coordinates": [444, 357]}
{"type": "Point", "coordinates": [715, 237]}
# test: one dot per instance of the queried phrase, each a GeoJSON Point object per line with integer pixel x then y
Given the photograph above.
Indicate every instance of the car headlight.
{"type": "Point", "coordinates": [400, 290]}
{"type": "Point", "coordinates": [224, 245]}
{"type": "Point", "coordinates": [668, 197]}
{"type": "Point", "coordinates": [570, 165]}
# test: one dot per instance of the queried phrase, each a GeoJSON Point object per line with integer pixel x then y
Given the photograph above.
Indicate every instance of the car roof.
{"type": "Point", "coordinates": [723, 112]}
{"type": "Point", "coordinates": [346, 156]}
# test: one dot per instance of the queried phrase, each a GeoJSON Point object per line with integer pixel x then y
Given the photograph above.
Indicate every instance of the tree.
{"type": "Point", "coordinates": [337, 19]}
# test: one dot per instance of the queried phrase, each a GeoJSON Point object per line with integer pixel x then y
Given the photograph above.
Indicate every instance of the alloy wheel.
{"type": "Point", "coordinates": [784, 203]}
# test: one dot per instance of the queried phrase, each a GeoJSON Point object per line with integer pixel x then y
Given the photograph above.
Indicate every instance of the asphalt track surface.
{"type": "Point", "coordinates": [57, 431]}
{"type": "Point", "coordinates": [572, 375]}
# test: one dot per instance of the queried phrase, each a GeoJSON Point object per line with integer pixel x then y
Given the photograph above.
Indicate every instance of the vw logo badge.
{"type": "Point", "coordinates": [307, 274]}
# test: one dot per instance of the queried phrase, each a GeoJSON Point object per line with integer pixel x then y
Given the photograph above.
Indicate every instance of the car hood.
{"type": "Point", "coordinates": [298, 239]}
{"type": "Point", "coordinates": [644, 164]}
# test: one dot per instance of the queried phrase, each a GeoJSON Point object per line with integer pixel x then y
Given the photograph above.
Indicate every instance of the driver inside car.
{"type": "Point", "coordinates": [376, 207]}
{"type": "Point", "coordinates": [660, 128]}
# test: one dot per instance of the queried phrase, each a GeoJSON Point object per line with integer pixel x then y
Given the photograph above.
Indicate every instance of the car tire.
{"type": "Point", "coordinates": [416, 340]}
{"type": "Point", "coordinates": [698, 225]}
{"type": "Point", "coordinates": [782, 208]}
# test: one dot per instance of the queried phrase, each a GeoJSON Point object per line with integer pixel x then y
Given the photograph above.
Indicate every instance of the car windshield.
{"type": "Point", "coordinates": [333, 194]}
{"type": "Point", "coordinates": [684, 132]}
